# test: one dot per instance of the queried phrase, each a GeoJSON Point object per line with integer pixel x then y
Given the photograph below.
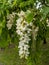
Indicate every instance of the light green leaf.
{"type": "Point", "coordinates": [45, 11]}
{"type": "Point", "coordinates": [29, 17]}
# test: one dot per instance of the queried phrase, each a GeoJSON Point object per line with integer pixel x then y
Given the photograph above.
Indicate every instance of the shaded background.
{"type": "Point", "coordinates": [9, 56]}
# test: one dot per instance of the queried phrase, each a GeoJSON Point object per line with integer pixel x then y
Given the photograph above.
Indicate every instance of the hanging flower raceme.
{"type": "Point", "coordinates": [24, 31]}
{"type": "Point", "coordinates": [10, 21]}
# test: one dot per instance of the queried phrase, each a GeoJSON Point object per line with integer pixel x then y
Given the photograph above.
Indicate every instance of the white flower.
{"type": "Point", "coordinates": [21, 52]}
{"type": "Point", "coordinates": [19, 32]}
{"type": "Point", "coordinates": [38, 5]}
{"type": "Point", "coordinates": [19, 20]}
{"type": "Point", "coordinates": [21, 44]}
{"type": "Point", "coordinates": [24, 51]}
{"type": "Point", "coordinates": [26, 47]}
{"type": "Point", "coordinates": [9, 26]}
{"type": "Point", "coordinates": [21, 14]}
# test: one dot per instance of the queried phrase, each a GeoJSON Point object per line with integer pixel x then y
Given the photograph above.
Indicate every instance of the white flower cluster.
{"type": "Point", "coordinates": [38, 4]}
{"type": "Point", "coordinates": [24, 31]}
{"type": "Point", "coordinates": [10, 21]}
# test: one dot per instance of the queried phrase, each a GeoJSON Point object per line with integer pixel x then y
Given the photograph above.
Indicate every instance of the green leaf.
{"type": "Point", "coordinates": [1, 28]}
{"type": "Point", "coordinates": [0, 31]}
{"type": "Point", "coordinates": [29, 17]}
{"type": "Point", "coordinates": [14, 3]}
{"type": "Point", "coordinates": [45, 11]}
